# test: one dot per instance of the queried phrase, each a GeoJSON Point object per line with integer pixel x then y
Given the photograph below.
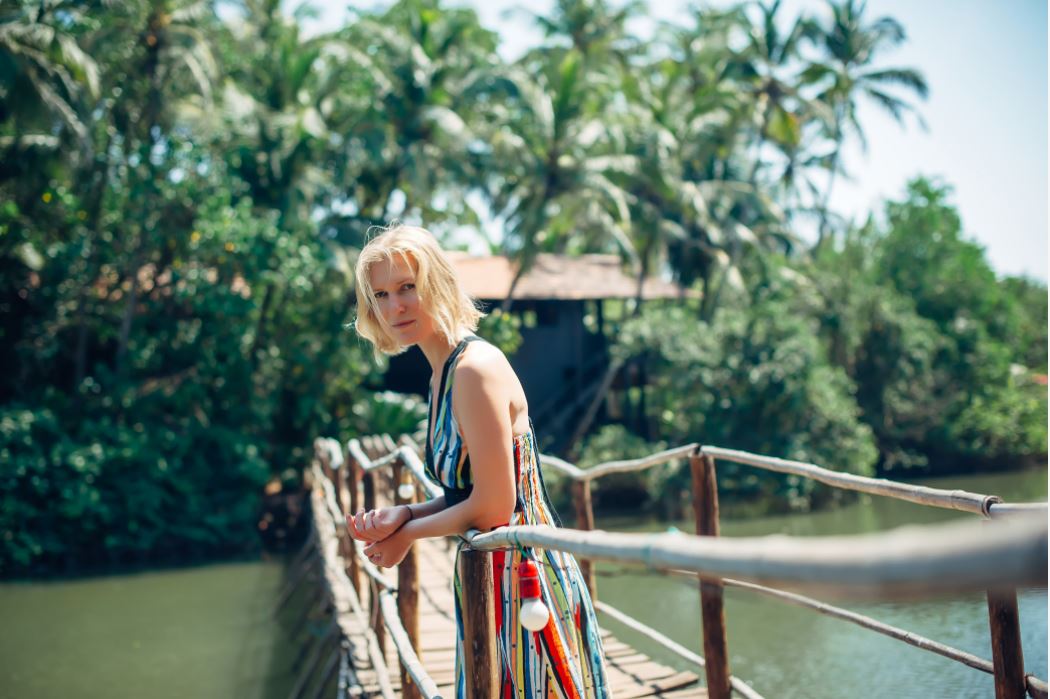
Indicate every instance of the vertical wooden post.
{"type": "Point", "coordinates": [705, 507]}
{"type": "Point", "coordinates": [479, 624]}
{"type": "Point", "coordinates": [321, 454]}
{"type": "Point", "coordinates": [581, 498]}
{"type": "Point", "coordinates": [389, 446]}
{"type": "Point", "coordinates": [1007, 657]}
{"type": "Point", "coordinates": [369, 483]}
{"type": "Point", "coordinates": [348, 501]}
{"type": "Point", "coordinates": [407, 593]}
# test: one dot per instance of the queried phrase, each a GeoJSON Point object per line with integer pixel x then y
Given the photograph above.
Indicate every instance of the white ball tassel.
{"type": "Point", "coordinates": [534, 614]}
{"type": "Point", "coordinates": [406, 490]}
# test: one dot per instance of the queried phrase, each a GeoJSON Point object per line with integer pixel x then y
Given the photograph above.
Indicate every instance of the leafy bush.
{"type": "Point", "coordinates": [755, 379]}
{"type": "Point", "coordinates": [90, 492]}
{"type": "Point", "coordinates": [638, 491]}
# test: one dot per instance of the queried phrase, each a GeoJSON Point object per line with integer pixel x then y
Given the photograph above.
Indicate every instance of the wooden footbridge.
{"type": "Point", "coordinates": [375, 633]}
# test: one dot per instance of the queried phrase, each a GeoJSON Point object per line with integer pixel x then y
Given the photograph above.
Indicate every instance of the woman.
{"type": "Point", "coordinates": [481, 449]}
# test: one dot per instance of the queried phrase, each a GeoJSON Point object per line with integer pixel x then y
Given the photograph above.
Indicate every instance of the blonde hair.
{"type": "Point", "coordinates": [437, 285]}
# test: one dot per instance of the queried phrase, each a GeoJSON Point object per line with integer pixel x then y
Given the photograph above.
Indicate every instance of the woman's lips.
{"type": "Point", "coordinates": [404, 324]}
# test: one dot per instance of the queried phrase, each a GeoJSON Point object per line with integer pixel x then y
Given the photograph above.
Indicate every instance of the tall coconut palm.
{"type": "Point", "coordinates": [565, 188]}
{"type": "Point", "coordinates": [46, 78]}
{"type": "Point", "coordinates": [594, 28]}
{"type": "Point", "coordinates": [773, 59]}
{"type": "Point", "coordinates": [431, 69]}
{"type": "Point", "coordinates": [717, 215]}
{"type": "Point", "coordinates": [848, 71]}
{"type": "Point", "coordinates": [160, 59]}
{"type": "Point", "coordinates": [278, 108]}
{"type": "Point", "coordinates": [556, 158]}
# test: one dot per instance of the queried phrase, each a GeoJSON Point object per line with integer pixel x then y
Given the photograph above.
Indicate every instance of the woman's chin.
{"type": "Point", "coordinates": [407, 334]}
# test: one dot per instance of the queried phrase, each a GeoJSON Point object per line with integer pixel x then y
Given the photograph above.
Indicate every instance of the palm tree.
{"type": "Point", "coordinates": [772, 59]}
{"type": "Point", "coordinates": [561, 164]}
{"type": "Point", "coordinates": [47, 77]}
{"type": "Point", "coordinates": [591, 27]}
{"type": "Point", "coordinates": [852, 47]}
{"type": "Point", "coordinates": [555, 161]}
{"type": "Point", "coordinates": [161, 59]}
{"type": "Point", "coordinates": [429, 72]}
{"type": "Point", "coordinates": [280, 101]}
{"type": "Point", "coordinates": [716, 214]}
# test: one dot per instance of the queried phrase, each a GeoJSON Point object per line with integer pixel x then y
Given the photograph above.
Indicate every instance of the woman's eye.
{"type": "Point", "coordinates": [408, 287]}
{"type": "Point", "coordinates": [380, 294]}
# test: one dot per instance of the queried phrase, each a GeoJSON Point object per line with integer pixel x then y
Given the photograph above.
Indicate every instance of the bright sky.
{"type": "Point", "coordinates": [986, 65]}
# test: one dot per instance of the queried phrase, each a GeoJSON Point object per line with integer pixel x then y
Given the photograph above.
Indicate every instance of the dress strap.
{"type": "Point", "coordinates": [431, 428]}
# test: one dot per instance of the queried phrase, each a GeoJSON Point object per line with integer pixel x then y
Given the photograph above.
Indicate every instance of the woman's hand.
{"type": "Point", "coordinates": [390, 551]}
{"type": "Point", "coordinates": [377, 525]}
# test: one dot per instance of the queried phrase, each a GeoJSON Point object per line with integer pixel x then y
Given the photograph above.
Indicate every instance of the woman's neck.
{"type": "Point", "coordinates": [437, 349]}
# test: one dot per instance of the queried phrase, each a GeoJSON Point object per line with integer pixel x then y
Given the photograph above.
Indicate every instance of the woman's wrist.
{"type": "Point", "coordinates": [411, 515]}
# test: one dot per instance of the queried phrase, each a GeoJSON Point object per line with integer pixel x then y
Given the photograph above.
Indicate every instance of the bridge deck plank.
{"type": "Point", "coordinates": [632, 675]}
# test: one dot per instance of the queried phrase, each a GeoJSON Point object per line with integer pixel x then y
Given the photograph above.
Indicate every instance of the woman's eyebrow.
{"type": "Point", "coordinates": [399, 282]}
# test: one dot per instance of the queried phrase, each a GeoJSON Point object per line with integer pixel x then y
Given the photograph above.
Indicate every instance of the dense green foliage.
{"type": "Point", "coordinates": [183, 192]}
{"type": "Point", "coordinates": [895, 350]}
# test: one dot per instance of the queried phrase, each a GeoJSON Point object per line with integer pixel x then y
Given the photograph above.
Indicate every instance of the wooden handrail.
{"type": "Point", "coordinates": [339, 584]}
{"type": "Point", "coordinates": [409, 661]}
{"type": "Point", "coordinates": [907, 561]}
{"type": "Point", "coordinates": [937, 497]}
{"type": "Point", "coordinates": [407, 654]}
{"type": "Point", "coordinates": [910, 561]}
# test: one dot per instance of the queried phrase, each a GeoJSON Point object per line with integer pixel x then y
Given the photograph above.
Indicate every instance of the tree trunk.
{"type": "Point", "coordinates": [822, 231]}
{"type": "Point", "coordinates": [766, 116]}
{"type": "Point", "coordinates": [154, 38]}
{"type": "Point", "coordinates": [100, 180]}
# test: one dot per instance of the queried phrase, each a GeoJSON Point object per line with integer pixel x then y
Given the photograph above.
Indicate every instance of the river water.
{"type": "Point", "coordinates": [210, 631]}
{"type": "Point", "coordinates": [195, 633]}
{"type": "Point", "coordinates": [795, 653]}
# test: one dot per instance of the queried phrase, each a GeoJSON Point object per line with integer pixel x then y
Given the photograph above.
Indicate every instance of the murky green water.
{"type": "Point", "coordinates": [794, 653]}
{"type": "Point", "coordinates": [211, 632]}
{"type": "Point", "coordinates": [198, 632]}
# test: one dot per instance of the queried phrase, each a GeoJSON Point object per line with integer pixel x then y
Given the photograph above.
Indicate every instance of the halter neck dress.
{"type": "Point", "coordinates": [565, 659]}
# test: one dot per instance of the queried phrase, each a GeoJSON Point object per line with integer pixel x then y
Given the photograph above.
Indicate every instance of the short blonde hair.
{"type": "Point", "coordinates": [440, 293]}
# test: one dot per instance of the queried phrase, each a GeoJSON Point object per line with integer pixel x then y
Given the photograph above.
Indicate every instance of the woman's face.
{"type": "Point", "coordinates": [394, 285]}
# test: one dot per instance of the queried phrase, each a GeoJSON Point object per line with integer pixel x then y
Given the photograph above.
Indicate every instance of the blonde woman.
{"type": "Point", "coordinates": [481, 449]}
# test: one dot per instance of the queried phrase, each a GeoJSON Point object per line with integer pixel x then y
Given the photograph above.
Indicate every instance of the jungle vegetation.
{"type": "Point", "coordinates": [184, 186]}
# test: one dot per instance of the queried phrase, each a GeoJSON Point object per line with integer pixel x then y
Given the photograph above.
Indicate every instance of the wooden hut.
{"type": "Point", "coordinates": [564, 352]}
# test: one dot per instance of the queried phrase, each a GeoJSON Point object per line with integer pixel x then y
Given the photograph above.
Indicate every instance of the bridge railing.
{"type": "Point", "coordinates": [998, 557]}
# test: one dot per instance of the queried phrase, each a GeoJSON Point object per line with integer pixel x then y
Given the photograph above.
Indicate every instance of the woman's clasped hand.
{"type": "Point", "coordinates": [379, 530]}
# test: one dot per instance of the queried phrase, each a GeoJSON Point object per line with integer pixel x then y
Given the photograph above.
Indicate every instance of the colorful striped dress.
{"type": "Point", "coordinates": [565, 659]}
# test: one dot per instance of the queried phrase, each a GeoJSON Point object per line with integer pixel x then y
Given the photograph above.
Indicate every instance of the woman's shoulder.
{"type": "Point", "coordinates": [481, 360]}
{"type": "Point", "coordinates": [482, 355]}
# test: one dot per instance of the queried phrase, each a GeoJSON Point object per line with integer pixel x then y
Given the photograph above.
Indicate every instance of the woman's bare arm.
{"type": "Point", "coordinates": [481, 401]}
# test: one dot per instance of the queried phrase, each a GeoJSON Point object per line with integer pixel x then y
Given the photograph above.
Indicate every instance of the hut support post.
{"type": "Point", "coordinates": [705, 506]}
{"type": "Point", "coordinates": [581, 498]}
{"type": "Point", "coordinates": [407, 594]}
{"type": "Point", "coordinates": [479, 624]}
{"type": "Point", "coordinates": [1007, 657]}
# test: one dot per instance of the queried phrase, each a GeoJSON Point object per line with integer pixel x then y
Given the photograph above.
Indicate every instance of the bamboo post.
{"type": "Point", "coordinates": [407, 595]}
{"type": "Point", "coordinates": [479, 624]}
{"type": "Point", "coordinates": [705, 507]}
{"type": "Point", "coordinates": [1007, 656]}
{"type": "Point", "coordinates": [581, 498]}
